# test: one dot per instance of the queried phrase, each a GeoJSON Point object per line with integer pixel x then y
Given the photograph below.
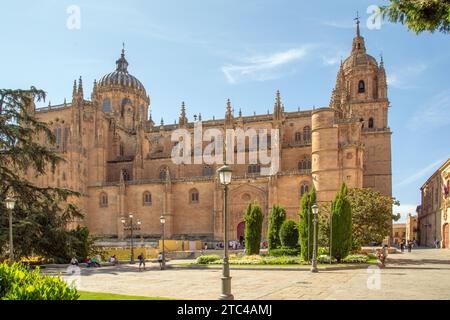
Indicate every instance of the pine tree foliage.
{"type": "Point", "coordinates": [41, 214]}
{"type": "Point", "coordinates": [420, 15]}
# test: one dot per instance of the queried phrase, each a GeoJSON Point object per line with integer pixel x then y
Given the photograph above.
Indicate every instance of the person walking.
{"type": "Point", "coordinates": [74, 261]}
{"type": "Point", "coordinates": [160, 260]}
{"type": "Point", "coordinates": [402, 246]}
{"type": "Point", "coordinates": [141, 259]}
{"type": "Point", "coordinates": [384, 254]}
{"type": "Point", "coordinates": [409, 246]}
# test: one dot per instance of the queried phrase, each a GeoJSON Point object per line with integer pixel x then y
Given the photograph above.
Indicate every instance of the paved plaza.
{"type": "Point", "coordinates": [422, 274]}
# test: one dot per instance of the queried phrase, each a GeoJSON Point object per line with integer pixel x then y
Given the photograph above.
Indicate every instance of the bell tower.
{"type": "Point", "coordinates": [361, 92]}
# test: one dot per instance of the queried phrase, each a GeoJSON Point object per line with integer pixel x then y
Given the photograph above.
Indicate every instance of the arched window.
{"type": "Point", "coordinates": [163, 174]}
{"type": "Point", "coordinates": [58, 137]}
{"type": "Point", "coordinates": [142, 112]}
{"type": "Point", "coordinates": [307, 134]}
{"type": "Point", "coordinates": [304, 164]}
{"type": "Point", "coordinates": [207, 171]}
{"type": "Point", "coordinates": [121, 150]}
{"type": "Point", "coordinates": [147, 199]}
{"type": "Point", "coordinates": [125, 101]}
{"type": "Point", "coordinates": [361, 86]}
{"type": "Point", "coordinates": [371, 123]}
{"type": "Point", "coordinates": [107, 105]}
{"type": "Point", "coordinates": [194, 196]}
{"type": "Point", "coordinates": [298, 136]}
{"type": "Point", "coordinates": [304, 188]}
{"type": "Point", "coordinates": [125, 175]}
{"type": "Point", "coordinates": [103, 200]}
{"type": "Point", "coordinates": [254, 168]}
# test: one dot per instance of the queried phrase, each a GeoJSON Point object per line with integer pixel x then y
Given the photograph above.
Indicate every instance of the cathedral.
{"type": "Point", "coordinates": [119, 159]}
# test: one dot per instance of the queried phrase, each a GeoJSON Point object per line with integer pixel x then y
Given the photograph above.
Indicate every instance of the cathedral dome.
{"type": "Point", "coordinates": [121, 77]}
{"type": "Point", "coordinates": [359, 59]}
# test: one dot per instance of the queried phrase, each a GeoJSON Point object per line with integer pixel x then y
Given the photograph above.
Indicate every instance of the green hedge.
{"type": "Point", "coordinates": [285, 252]}
{"type": "Point", "coordinates": [18, 283]}
{"type": "Point", "coordinates": [207, 259]}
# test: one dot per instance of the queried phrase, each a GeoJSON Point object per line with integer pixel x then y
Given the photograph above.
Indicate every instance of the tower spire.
{"type": "Point", "coordinates": [74, 93]}
{"type": "Point", "coordinates": [358, 42]}
{"type": "Point", "coordinates": [358, 33]}
{"type": "Point", "coordinates": [80, 88]}
{"type": "Point", "coordinates": [183, 119]}
{"type": "Point", "coordinates": [278, 107]}
{"type": "Point", "coordinates": [122, 63]}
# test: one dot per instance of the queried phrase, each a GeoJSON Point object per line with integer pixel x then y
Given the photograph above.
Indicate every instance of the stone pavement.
{"type": "Point", "coordinates": [422, 274]}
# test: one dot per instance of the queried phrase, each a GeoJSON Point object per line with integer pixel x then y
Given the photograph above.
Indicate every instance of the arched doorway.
{"type": "Point", "coordinates": [446, 236]}
{"type": "Point", "coordinates": [241, 232]}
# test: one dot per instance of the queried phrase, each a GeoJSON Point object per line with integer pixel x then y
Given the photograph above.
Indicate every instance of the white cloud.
{"type": "Point", "coordinates": [404, 209]}
{"type": "Point", "coordinates": [344, 24]}
{"type": "Point", "coordinates": [264, 67]}
{"type": "Point", "coordinates": [435, 113]}
{"type": "Point", "coordinates": [421, 173]}
{"type": "Point", "coordinates": [403, 78]}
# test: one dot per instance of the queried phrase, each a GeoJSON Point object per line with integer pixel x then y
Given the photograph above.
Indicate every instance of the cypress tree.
{"type": "Point", "coordinates": [253, 228]}
{"type": "Point", "coordinates": [277, 217]}
{"type": "Point", "coordinates": [341, 222]}
{"type": "Point", "coordinates": [289, 234]}
{"type": "Point", "coordinates": [306, 225]}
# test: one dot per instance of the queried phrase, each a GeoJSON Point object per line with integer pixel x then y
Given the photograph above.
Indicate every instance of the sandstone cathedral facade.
{"type": "Point", "coordinates": [120, 160]}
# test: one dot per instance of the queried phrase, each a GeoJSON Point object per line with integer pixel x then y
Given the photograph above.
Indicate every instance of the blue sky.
{"type": "Point", "coordinates": [203, 52]}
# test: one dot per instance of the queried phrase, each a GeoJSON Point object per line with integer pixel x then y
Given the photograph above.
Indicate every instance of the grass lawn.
{"type": "Point", "coordinates": [85, 295]}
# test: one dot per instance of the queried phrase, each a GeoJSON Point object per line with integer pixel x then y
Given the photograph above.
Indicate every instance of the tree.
{"type": "Point", "coordinates": [41, 214]}
{"type": "Point", "coordinates": [253, 228]}
{"type": "Point", "coordinates": [277, 217]}
{"type": "Point", "coordinates": [372, 215]}
{"type": "Point", "coordinates": [341, 223]}
{"type": "Point", "coordinates": [306, 226]}
{"type": "Point", "coordinates": [289, 234]}
{"type": "Point", "coordinates": [420, 16]}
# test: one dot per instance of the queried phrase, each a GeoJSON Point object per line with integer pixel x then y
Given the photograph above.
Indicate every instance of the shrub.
{"type": "Point", "coordinates": [324, 258]}
{"type": "Point", "coordinates": [323, 251]}
{"type": "Point", "coordinates": [372, 256]}
{"type": "Point", "coordinates": [289, 234]}
{"type": "Point", "coordinates": [253, 228]}
{"type": "Point", "coordinates": [341, 221]}
{"type": "Point", "coordinates": [285, 252]}
{"type": "Point", "coordinates": [277, 217]}
{"type": "Point", "coordinates": [357, 258]}
{"type": "Point", "coordinates": [207, 259]}
{"type": "Point", "coordinates": [18, 283]}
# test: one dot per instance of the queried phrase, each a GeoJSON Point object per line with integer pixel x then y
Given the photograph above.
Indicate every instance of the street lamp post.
{"type": "Point", "coordinates": [131, 226]}
{"type": "Point", "coordinates": [162, 219]}
{"type": "Point", "coordinates": [315, 210]}
{"type": "Point", "coordinates": [225, 173]}
{"type": "Point", "coordinates": [10, 204]}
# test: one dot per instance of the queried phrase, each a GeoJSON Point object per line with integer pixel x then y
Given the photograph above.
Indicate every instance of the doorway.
{"type": "Point", "coordinates": [241, 232]}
